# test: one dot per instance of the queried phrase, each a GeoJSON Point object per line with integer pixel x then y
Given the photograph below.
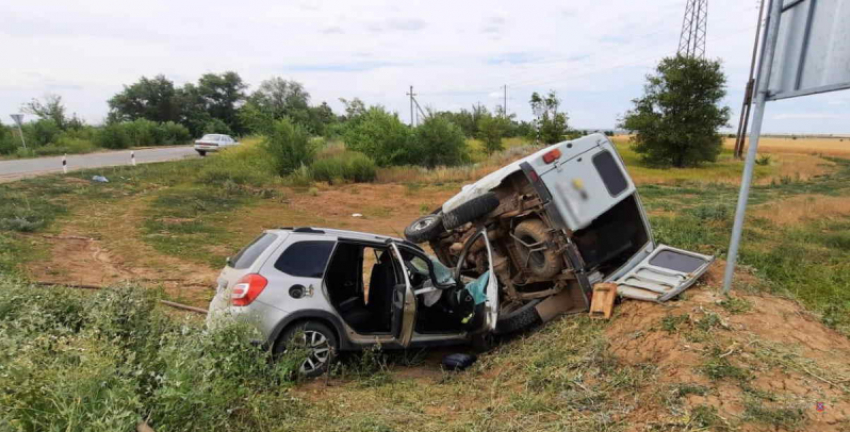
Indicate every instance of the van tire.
{"type": "Point", "coordinates": [425, 229]}
{"type": "Point", "coordinates": [470, 210]}
{"type": "Point", "coordinates": [544, 264]}
{"type": "Point", "coordinates": [520, 319]}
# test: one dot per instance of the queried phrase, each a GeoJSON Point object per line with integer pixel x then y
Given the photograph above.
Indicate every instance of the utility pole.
{"type": "Point", "coordinates": [748, 94]}
{"type": "Point", "coordinates": [505, 104]}
{"type": "Point", "coordinates": [694, 27]}
{"type": "Point", "coordinates": [412, 119]}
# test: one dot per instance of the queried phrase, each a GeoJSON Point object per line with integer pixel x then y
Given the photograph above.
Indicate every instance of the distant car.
{"type": "Point", "coordinates": [213, 142]}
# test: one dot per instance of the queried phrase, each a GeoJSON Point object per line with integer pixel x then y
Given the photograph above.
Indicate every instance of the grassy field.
{"type": "Point", "coordinates": [703, 363]}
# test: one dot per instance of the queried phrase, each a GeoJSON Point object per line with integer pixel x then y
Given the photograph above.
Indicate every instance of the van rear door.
{"type": "Point", "coordinates": [662, 275]}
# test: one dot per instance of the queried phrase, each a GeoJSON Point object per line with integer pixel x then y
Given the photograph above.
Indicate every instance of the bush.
{"type": "Point", "coordinates": [113, 136]}
{"type": "Point", "coordinates": [140, 132]}
{"type": "Point", "coordinates": [382, 137]}
{"type": "Point", "coordinates": [8, 145]}
{"type": "Point", "coordinates": [439, 142]}
{"type": "Point", "coordinates": [346, 166]}
{"type": "Point", "coordinates": [247, 164]}
{"type": "Point", "coordinates": [41, 132]}
{"type": "Point", "coordinates": [170, 133]}
{"type": "Point", "coordinates": [289, 146]}
{"type": "Point", "coordinates": [217, 126]}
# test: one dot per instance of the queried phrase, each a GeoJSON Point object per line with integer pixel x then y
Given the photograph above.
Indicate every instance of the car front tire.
{"type": "Point", "coordinates": [201, 152]}
{"type": "Point", "coordinates": [425, 229]}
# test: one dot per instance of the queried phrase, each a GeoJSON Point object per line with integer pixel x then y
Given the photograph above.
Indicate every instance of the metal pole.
{"type": "Point", "coordinates": [412, 121]}
{"type": "Point", "coordinates": [505, 104]}
{"type": "Point", "coordinates": [748, 96]}
{"type": "Point", "coordinates": [23, 141]}
{"type": "Point", "coordinates": [761, 99]}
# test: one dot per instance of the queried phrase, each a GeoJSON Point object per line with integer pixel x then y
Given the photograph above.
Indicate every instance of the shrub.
{"type": "Point", "coordinates": [41, 132]}
{"type": "Point", "coordinates": [7, 140]}
{"type": "Point", "coordinates": [247, 164]}
{"type": "Point", "coordinates": [170, 133]}
{"type": "Point", "coordinates": [140, 132]}
{"type": "Point", "coordinates": [346, 166]}
{"type": "Point", "coordinates": [382, 137]}
{"type": "Point", "coordinates": [217, 126]}
{"type": "Point", "coordinates": [439, 142]}
{"type": "Point", "coordinates": [289, 146]}
{"type": "Point", "coordinates": [113, 136]}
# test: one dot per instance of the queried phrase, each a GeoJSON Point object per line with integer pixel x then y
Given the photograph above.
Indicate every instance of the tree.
{"type": "Point", "coordinates": [383, 137]}
{"type": "Point", "coordinates": [221, 96]}
{"type": "Point", "coordinates": [491, 129]}
{"type": "Point", "coordinates": [552, 125]}
{"type": "Point", "coordinates": [281, 98]}
{"type": "Point", "coordinates": [677, 119]}
{"type": "Point", "coordinates": [153, 99]}
{"type": "Point", "coordinates": [51, 108]}
{"type": "Point", "coordinates": [439, 142]}
{"type": "Point", "coordinates": [289, 145]}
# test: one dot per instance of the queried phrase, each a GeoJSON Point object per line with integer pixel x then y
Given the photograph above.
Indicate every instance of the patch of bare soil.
{"type": "Point", "coordinates": [773, 356]}
{"type": "Point", "coordinates": [101, 246]}
{"type": "Point", "coordinates": [804, 208]}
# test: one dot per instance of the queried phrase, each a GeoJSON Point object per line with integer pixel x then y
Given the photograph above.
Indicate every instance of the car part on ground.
{"type": "Point", "coordinates": [604, 296]}
{"type": "Point", "coordinates": [458, 361]}
{"type": "Point", "coordinates": [425, 229]}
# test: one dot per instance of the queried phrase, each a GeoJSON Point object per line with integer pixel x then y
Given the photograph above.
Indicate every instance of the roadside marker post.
{"type": "Point", "coordinates": [65, 164]}
{"type": "Point", "coordinates": [133, 157]}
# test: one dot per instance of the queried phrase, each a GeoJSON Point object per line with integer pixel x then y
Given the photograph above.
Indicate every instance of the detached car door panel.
{"type": "Point", "coordinates": [664, 274]}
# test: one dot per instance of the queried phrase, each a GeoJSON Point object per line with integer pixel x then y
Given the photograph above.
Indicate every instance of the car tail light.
{"type": "Point", "coordinates": [248, 289]}
{"type": "Point", "coordinates": [551, 156]}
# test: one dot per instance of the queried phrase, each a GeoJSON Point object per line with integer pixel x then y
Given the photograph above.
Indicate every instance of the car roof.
{"type": "Point", "coordinates": [341, 234]}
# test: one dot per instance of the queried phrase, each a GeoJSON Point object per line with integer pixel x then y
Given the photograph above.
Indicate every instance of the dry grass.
{"type": "Point", "coordinates": [804, 208]}
{"type": "Point", "coordinates": [823, 146]}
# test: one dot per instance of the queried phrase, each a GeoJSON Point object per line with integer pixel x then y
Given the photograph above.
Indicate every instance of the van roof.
{"type": "Point", "coordinates": [337, 233]}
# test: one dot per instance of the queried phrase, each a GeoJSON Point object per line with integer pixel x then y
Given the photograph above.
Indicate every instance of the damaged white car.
{"type": "Point", "coordinates": [558, 222]}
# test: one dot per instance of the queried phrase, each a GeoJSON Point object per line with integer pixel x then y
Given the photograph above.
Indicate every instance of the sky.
{"type": "Point", "coordinates": [594, 54]}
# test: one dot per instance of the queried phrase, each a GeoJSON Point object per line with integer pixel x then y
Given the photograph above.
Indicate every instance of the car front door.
{"type": "Point", "coordinates": [404, 306]}
{"type": "Point", "coordinates": [492, 286]}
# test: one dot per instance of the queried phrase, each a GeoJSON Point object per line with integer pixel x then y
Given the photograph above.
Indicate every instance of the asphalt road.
{"type": "Point", "coordinates": [19, 168]}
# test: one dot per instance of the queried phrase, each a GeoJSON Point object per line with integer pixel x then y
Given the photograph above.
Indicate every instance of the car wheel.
{"type": "Point", "coordinates": [530, 238]}
{"type": "Point", "coordinates": [424, 229]}
{"type": "Point", "coordinates": [471, 210]}
{"type": "Point", "coordinates": [319, 341]}
{"type": "Point", "coordinates": [520, 319]}
{"type": "Point", "coordinates": [202, 153]}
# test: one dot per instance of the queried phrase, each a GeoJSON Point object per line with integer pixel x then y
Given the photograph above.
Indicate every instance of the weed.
{"type": "Point", "coordinates": [709, 321]}
{"type": "Point", "coordinates": [425, 209]}
{"type": "Point", "coordinates": [764, 160]}
{"type": "Point", "coordinates": [705, 416]}
{"type": "Point", "coordinates": [736, 305]}
{"type": "Point", "coordinates": [787, 418]}
{"type": "Point", "coordinates": [718, 367]}
{"type": "Point", "coordinates": [671, 323]}
{"type": "Point", "coordinates": [313, 191]}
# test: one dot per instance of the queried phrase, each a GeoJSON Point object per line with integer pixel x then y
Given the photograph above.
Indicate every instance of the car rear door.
{"type": "Point", "coordinates": [663, 274]}
{"type": "Point", "coordinates": [404, 306]}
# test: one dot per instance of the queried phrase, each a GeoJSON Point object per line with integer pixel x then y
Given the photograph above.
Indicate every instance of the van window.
{"type": "Point", "coordinates": [305, 259]}
{"type": "Point", "coordinates": [246, 257]}
{"type": "Point", "coordinates": [610, 172]}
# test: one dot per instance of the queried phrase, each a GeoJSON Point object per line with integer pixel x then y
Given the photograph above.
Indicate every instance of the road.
{"type": "Point", "coordinates": [19, 168]}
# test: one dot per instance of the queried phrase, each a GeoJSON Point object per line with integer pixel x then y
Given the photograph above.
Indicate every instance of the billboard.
{"type": "Point", "coordinates": [812, 50]}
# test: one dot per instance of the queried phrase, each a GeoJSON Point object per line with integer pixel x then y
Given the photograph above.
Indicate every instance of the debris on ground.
{"type": "Point", "coordinates": [458, 361]}
{"type": "Point", "coordinates": [100, 179]}
{"type": "Point", "coordinates": [602, 305]}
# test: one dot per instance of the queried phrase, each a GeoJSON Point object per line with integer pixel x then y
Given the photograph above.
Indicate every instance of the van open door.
{"type": "Point", "coordinates": [491, 290]}
{"type": "Point", "coordinates": [662, 275]}
{"type": "Point", "coordinates": [404, 307]}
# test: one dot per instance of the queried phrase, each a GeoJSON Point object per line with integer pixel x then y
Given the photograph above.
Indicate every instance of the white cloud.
{"type": "Point", "coordinates": [595, 54]}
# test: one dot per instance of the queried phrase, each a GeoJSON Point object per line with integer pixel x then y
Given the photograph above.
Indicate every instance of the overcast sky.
{"type": "Point", "coordinates": [595, 54]}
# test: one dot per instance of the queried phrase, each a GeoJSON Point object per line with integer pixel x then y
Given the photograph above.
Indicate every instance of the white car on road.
{"type": "Point", "coordinates": [213, 142]}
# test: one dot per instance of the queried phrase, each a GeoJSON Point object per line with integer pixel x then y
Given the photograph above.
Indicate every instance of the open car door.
{"type": "Point", "coordinates": [662, 275]}
{"type": "Point", "coordinates": [404, 306]}
{"type": "Point", "coordinates": [491, 286]}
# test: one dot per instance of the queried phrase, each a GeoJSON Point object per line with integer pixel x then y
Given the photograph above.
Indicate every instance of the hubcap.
{"type": "Point", "coordinates": [319, 351]}
{"type": "Point", "coordinates": [424, 223]}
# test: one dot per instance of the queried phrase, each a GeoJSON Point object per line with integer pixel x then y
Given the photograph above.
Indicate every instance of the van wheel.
{"type": "Point", "coordinates": [202, 153]}
{"type": "Point", "coordinates": [520, 319]}
{"type": "Point", "coordinates": [529, 236]}
{"type": "Point", "coordinates": [317, 340]}
{"type": "Point", "coordinates": [471, 210]}
{"type": "Point", "coordinates": [424, 229]}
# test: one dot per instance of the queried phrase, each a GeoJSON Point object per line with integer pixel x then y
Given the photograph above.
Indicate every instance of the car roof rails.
{"type": "Point", "coordinates": [307, 230]}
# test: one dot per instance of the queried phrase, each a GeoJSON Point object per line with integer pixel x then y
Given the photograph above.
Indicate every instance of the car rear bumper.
{"type": "Point", "coordinates": [206, 147]}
